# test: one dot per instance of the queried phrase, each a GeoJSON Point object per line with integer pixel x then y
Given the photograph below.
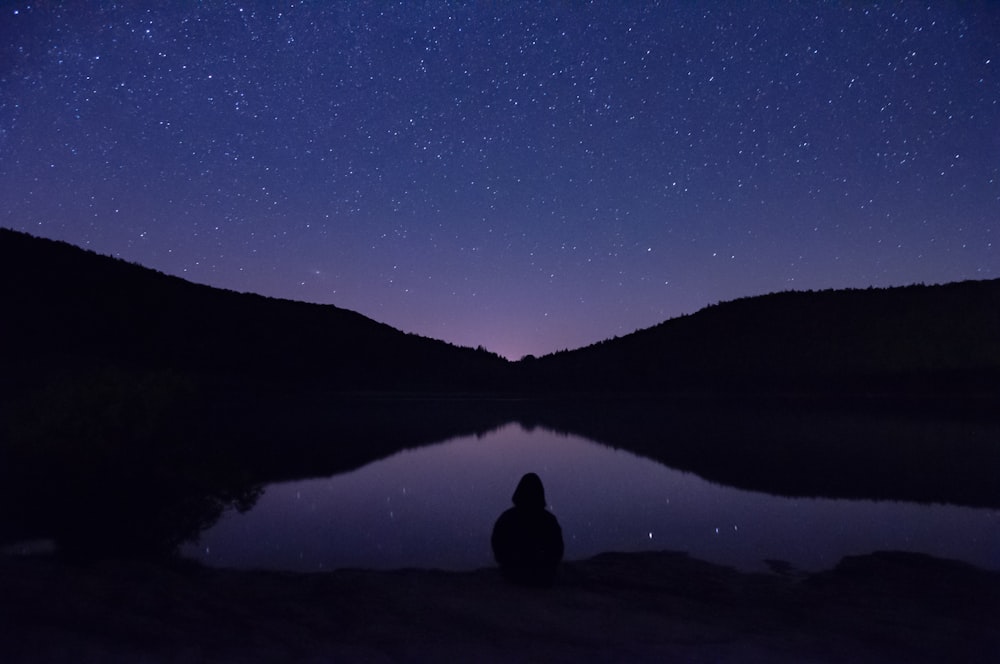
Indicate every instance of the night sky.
{"type": "Point", "coordinates": [523, 177]}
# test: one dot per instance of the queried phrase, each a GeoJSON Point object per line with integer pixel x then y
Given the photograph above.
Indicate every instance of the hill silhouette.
{"type": "Point", "coordinates": [69, 310]}
{"type": "Point", "coordinates": [930, 339]}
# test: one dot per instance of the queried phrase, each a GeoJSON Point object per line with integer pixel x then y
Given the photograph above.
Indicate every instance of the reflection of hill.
{"type": "Point", "coordinates": [918, 450]}
{"type": "Point", "coordinates": [135, 464]}
{"type": "Point", "coordinates": [138, 463]}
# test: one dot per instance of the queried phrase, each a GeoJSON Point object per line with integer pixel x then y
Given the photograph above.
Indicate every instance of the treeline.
{"type": "Point", "coordinates": [916, 338]}
{"type": "Point", "coordinates": [68, 311]}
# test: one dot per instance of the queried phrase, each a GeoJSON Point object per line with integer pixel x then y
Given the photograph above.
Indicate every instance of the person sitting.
{"type": "Point", "coordinates": [527, 540]}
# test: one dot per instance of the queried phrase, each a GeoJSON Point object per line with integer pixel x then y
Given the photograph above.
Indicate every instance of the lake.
{"type": "Point", "coordinates": [434, 507]}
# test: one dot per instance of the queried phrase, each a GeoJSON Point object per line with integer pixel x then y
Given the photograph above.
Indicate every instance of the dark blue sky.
{"type": "Point", "coordinates": [524, 177]}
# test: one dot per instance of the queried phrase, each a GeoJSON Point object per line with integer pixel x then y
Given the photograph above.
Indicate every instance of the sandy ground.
{"type": "Point", "coordinates": [615, 607]}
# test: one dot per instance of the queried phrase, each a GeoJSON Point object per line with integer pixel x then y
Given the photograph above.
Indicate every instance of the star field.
{"type": "Point", "coordinates": [523, 177]}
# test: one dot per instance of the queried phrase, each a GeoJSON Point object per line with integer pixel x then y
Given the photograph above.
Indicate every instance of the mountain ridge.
{"type": "Point", "coordinates": [905, 337]}
{"type": "Point", "coordinates": [72, 308]}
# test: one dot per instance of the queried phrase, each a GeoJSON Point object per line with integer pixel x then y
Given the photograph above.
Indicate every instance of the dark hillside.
{"type": "Point", "coordinates": [914, 338]}
{"type": "Point", "coordinates": [67, 310]}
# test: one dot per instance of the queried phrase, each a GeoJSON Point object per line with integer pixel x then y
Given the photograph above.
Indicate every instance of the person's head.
{"type": "Point", "coordinates": [530, 492]}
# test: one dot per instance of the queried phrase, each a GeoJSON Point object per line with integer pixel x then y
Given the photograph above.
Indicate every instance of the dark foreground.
{"type": "Point", "coordinates": [621, 607]}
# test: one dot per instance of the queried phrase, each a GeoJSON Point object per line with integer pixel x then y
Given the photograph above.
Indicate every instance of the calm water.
{"type": "Point", "coordinates": [434, 507]}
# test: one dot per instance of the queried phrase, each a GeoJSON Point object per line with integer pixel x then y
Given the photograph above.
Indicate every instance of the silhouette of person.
{"type": "Point", "coordinates": [527, 540]}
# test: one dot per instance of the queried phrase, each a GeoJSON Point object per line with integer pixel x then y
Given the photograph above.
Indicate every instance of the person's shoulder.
{"type": "Point", "coordinates": [507, 515]}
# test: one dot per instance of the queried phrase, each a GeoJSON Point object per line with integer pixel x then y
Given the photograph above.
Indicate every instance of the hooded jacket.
{"type": "Point", "coordinates": [527, 540]}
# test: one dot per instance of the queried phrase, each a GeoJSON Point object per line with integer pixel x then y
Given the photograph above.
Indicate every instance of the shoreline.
{"type": "Point", "coordinates": [637, 607]}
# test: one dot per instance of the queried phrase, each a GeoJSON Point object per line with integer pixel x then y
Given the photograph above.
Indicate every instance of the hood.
{"type": "Point", "coordinates": [530, 492]}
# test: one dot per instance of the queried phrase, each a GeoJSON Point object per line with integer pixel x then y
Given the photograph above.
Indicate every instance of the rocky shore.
{"type": "Point", "coordinates": [884, 607]}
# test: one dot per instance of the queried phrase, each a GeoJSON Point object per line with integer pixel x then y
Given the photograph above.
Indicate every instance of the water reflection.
{"type": "Point", "coordinates": [434, 506]}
